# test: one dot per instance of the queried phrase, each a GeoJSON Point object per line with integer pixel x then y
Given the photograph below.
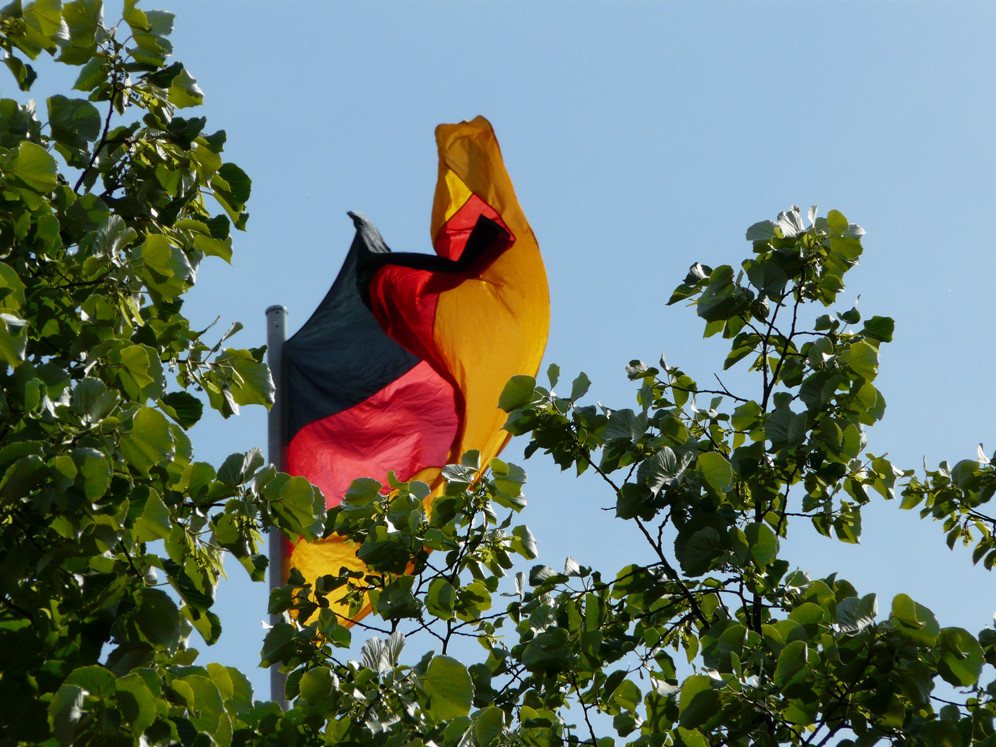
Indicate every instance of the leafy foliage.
{"type": "Point", "coordinates": [775, 656]}
{"type": "Point", "coordinates": [718, 640]}
{"type": "Point", "coordinates": [111, 534]}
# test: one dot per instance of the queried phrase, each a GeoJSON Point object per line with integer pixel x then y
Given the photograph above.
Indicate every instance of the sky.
{"type": "Point", "coordinates": [641, 137]}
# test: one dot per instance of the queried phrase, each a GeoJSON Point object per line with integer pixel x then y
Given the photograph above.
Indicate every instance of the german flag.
{"type": "Point", "coordinates": [401, 366]}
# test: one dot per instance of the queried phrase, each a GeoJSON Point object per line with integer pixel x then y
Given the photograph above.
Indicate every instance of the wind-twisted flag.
{"type": "Point", "coordinates": [401, 366]}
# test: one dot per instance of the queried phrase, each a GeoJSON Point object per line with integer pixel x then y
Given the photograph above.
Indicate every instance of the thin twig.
{"type": "Point", "coordinates": [584, 711]}
{"type": "Point", "coordinates": [727, 392]}
{"type": "Point", "coordinates": [723, 393]}
{"type": "Point", "coordinates": [103, 138]}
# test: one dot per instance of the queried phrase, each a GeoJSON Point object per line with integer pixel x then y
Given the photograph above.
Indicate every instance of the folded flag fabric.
{"type": "Point", "coordinates": [401, 366]}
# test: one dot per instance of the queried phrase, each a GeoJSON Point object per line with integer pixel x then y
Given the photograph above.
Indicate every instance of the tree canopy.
{"type": "Point", "coordinates": [112, 535]}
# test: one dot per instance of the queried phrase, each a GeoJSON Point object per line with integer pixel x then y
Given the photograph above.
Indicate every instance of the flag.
{"type": "Point", "coordinates": [401, 365]}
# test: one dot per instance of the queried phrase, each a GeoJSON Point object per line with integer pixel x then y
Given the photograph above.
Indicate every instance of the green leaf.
{"type": "Point", "coordinates": [44, 15]}
{"type": "Point", "coordinates": [698, 701]}
{"type": "Point", "coordinates": [698, 551]}
{"type": "Point", "coordinates": [660, 470]}
{"type": "Point", "coordinates": [961, 657]}
{"type": "Point", "coordinates": [914, 621]}
{"type": "Point", "coordinates": [24, 74]}
{"type": "Point", "coordinates": [635, 501]}
{"type": "Point", "coordinates": [297, 504]}
{"type": "Point", "coordinates": [801, 712]}
{"type": "Point", "coordinates": [83, 18]}
{"type": "Point", "coordinates": [137, 703]}
{"type": "Point", "coordinates": [385, 551]}
{"type": "Point", "coordinates": [231, 189]}
{"type": "Point", "coordinates": [383, 656]}
{"type": "Point", "coordinates": [65, 711]}
{"type": "Point", "coordinates": [440, 598]}
{"type": "Point", "coordinates": [396, 600]}
{"type": "Point", "coordinates": [112, 237]}
{"type": "Point", "coordinates": [716, 470]}
{"type": "Point", "coordinates": [488, 726]}
{"type": "Point", "coordinates": [769, 277]}
{"type": "Point", "coordinates": [854, 614]}
{"type": "Point", "coordinates": [13, 339]}
{"type": "Point", "coordinates": [205, 242]}
{"type": "Point", "coordinates": [723, 298]}
{"type": "Point", "coordinates": [904, 611]}
{"type": "Point", "coordinates": [363, 491]}
{"type": "Point", "coordinates": [540, 573]}
{"type": "Point", "coordinates": [74, 122]}
{"type": "Point", "coordinates": [157, 619]}
{"type": "Point", "coordinates": [237, 468]}
{"type": "Point", "coordinates": [251, 380]}
{"type": "Point", "coordinates": [184, 408]}
{"type": "Point", "coordinates": [762, 231]}
{"type": "Point", "coordinates": [96, 680]}
{"type": "Point", "coordinates": [518, 392]}
{"type": "Point", "coordinates": [509, 479]}
{"type": "Point", "coordinates": [91, 74]}
{"type": "Point", "coordinates": [837, 221]}
{"type": "Point", "coordinates": [942, 733]}
{"type": "Point", "coordinates": [184, 92]}
{"type": "Point", "coordinates": [547, 652]}
{"type": "Point", "coordinates": [785, 428]}
{"type": "Point", "coordinates": [862, 358]}
{"type": "Point", "coordinates": [204, 703]}
{"type": "Point", "coordinates": [626, 696]}
{"type": "Point", "coordinates": [280, 644]}
{"type": "Point", "coordinates": [745, 417]}
{"type": "Point", "coordinates": [449, 687]}
{"type": "Point", "coordinates": [763, 543]}
{"type": "Point", "coordinates": [157, 254]}
{"type": "Point", "coordinates": [524, 543]}
{"type": "Point", "coordinates": [35, 167]}
{"type": "Point", "coordinates": [239, 185]}
{"type": "Point", "coordinates": [626, 425]}
{"type": "Point", "coordinates": [94, 471]}
{"type": "Point", "coordinates": [792, 662]}
{"type": "Point", "coordinates": [580, 386]}
{"type": "Point", "coordinates": [851, 316]}
{"type": "Point", "coordinates": [166, 269]}
{"type": "Point", "coordinates": [148, 442]}
{"type": "Point", "coordinates": [848, 247]}
{"type": "Point", "coordinates": [689, 738]}
{"type": "Point", "coordinates": [139, 370]}
{"type": "Point", "coordinates": [11, 289]}
{"type": "Point", "coordinates": [553, 374]}
{"type": "Point", "coordinates": [22, 477]}
{"type": "Point", "coordinates": [316, 685]}
{"type": "Point", "coordinates": [879, 328]}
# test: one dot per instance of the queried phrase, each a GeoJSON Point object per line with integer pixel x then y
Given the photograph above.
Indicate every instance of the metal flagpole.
{"type": "Point", "coordinates": [276, 333]}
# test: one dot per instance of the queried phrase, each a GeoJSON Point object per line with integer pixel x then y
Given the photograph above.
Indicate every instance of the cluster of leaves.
{"type": "Point", "coordinates": [718, 640]}
{"type": "Point", "coordinates": [432, 572]}
{"type": "Point", "coordinates": [775, 656]}
{"type": "Point", "coordinates": [111, 534]}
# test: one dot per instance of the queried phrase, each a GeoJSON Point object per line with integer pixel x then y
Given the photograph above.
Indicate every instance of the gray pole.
{"type": "Point", "coordinates": [276, 318]}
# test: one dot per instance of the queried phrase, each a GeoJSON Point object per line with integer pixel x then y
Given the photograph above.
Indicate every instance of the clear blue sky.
{"type": "Point", "coordinates": [641, 137]}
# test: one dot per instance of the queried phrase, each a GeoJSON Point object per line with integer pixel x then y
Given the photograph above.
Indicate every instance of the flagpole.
{"type": "Point", "coordinates": [276, 318]}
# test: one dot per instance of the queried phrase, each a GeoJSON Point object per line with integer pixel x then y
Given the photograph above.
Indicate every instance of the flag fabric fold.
{"type": "Point", "coordinates": [401, 365]}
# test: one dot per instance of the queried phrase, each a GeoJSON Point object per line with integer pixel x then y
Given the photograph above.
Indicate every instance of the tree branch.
{"type": "Point", "coordinates": [115, 90]}
{"type": "Point", "coordinates": [673, 574]}
{"type": "Point", "coordinates": [584, 710]}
